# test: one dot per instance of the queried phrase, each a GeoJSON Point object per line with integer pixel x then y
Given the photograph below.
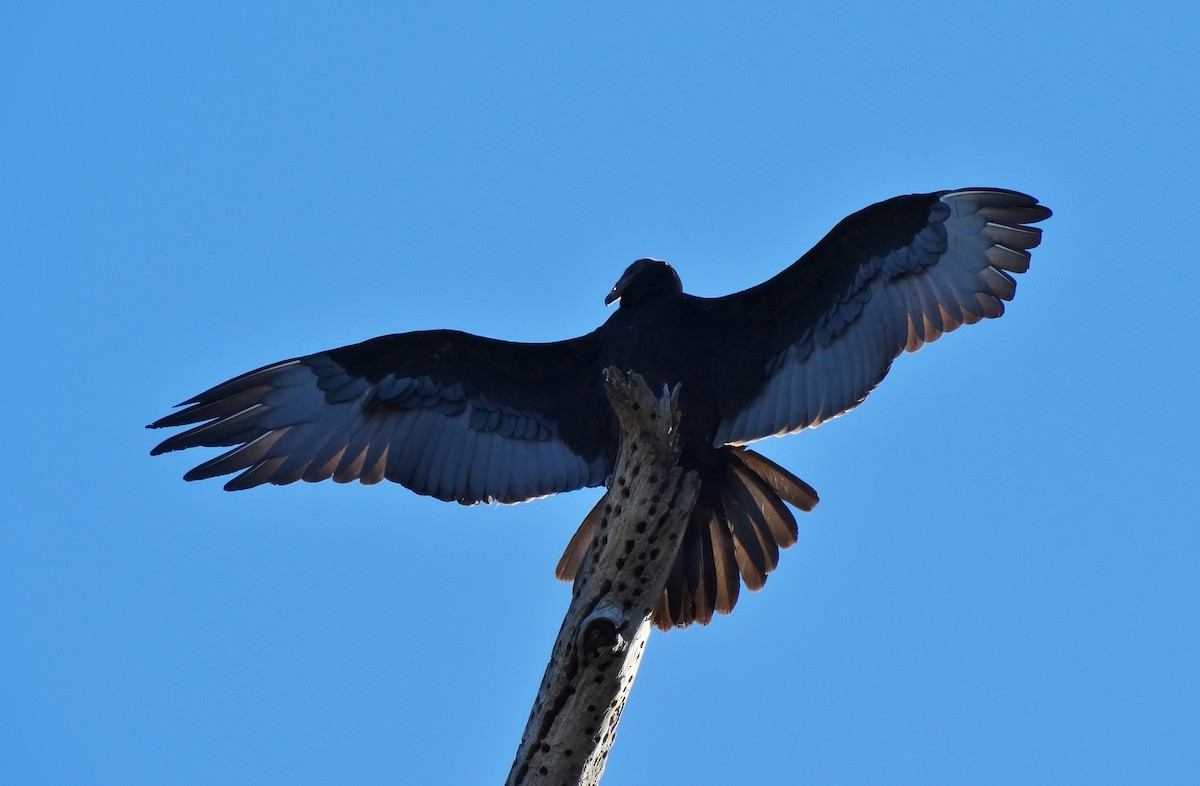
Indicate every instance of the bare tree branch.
{"type": "Point", "coordinates": [599, 647]}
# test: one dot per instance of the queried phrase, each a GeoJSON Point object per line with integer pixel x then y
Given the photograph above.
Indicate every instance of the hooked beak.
{"type": "Point", "coordinates": [618, 289]}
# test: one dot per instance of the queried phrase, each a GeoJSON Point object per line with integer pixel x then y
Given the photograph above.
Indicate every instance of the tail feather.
{"type": "Point", "coordinates": [677, 599]}
{"type": "Point", "coordinates": [695, 556]}
{"type": "Point", "coordinates": [727, 581]}
{"type": "Point", "coordinates": [753, 556]}
{"type": "Point", "coordinates": [572, 558]}
{"type": "Point", "coordinates": [780, 520]}
{"type": "Point", "coordinates": [790, 488]}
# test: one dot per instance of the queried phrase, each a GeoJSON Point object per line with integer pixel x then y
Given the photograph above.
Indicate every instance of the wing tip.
{"type": "Point", "coordinates": [1004, 198]}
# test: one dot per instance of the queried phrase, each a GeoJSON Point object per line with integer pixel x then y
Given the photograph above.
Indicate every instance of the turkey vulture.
{"type": "Point", "coordinates": [471, 419]}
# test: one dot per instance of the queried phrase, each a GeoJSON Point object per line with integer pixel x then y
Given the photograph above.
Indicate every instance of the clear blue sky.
{"type": "Point", "coordinates": [1000, 585]}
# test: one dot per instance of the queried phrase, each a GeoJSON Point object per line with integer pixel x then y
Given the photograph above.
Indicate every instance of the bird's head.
{"type": "Point", "coordinates": [642, 279]}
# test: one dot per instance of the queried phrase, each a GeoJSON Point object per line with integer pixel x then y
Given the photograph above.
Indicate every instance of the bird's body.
{"type": "Point", "coordinates": [471, 419]}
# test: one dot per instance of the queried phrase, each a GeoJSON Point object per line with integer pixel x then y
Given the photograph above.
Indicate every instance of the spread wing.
{"type": "Point", "coordinates": [444, 413]}
{"type": "Point", "coordinates": [888, 279]}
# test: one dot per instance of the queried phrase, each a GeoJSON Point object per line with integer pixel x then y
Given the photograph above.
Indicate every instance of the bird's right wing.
{"type": "Point", "coordinates": [813, 341]}
{"type": "Point", "coordinates": [444, 413]}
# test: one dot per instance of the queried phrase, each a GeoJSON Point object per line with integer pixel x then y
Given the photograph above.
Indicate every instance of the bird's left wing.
{"type": "Point", "coordinates": [444, 413]}
{"type": "Point", "coordinates": [813, 341]}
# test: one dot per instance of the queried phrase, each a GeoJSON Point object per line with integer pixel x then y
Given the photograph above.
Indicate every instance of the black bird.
{"type": "Point", "coordinates": [471, 419]}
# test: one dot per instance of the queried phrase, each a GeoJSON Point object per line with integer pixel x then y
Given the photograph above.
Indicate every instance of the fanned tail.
{"type": "Point", "coordinates": [733, 536]}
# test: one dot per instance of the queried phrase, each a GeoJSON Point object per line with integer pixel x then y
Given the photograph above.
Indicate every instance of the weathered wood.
{"type": "Point", "coordinates": [599, 647]}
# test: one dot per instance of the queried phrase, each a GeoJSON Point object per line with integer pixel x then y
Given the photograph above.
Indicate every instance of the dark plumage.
{"type": "Point", "coordinates": [472, 419]}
